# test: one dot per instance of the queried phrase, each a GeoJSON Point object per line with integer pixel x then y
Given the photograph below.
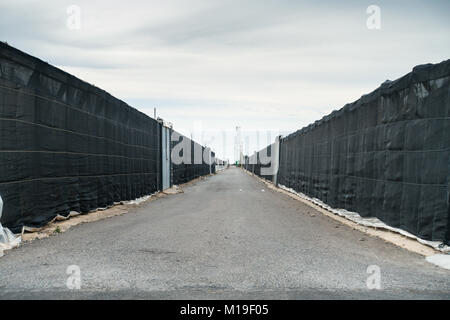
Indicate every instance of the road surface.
{"type": "Point", "coordinates": [227, 236]}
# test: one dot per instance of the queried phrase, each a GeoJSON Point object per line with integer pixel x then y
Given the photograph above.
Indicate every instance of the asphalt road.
{"type": "Point", "coordinates": [224, 237]}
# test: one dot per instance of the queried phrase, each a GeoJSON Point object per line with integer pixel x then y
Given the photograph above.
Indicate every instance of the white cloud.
{"type": "Point", "coordinates": [271, 64]}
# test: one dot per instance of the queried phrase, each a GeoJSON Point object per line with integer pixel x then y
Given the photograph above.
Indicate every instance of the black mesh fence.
{"type": "Point", "coordinates": [213, 162]}
{"type": "Point", "coordinates": [387, 155]}
{"type": "Point", "coordinates": [192, 164]}
{"type": "Point", "coordinates": [66, 145]}
{"type": "Point", "coordinates": [259, 161]}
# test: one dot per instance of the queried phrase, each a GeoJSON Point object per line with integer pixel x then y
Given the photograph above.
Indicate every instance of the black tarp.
{"type": "Point", "coordinates": [259, 160]}
{"type": "Point", "coordinates": [386, 155]}
{"type": "Point", "coordinates": [66, 145]}
{"type": "Point", "coordinates": [193, 165]}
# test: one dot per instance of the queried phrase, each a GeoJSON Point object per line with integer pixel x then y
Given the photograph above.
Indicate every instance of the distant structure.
{"type": "Point", "coordinates": [238, 147]}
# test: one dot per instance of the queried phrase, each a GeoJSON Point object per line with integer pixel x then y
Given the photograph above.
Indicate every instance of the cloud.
{"type": "Point", "coordinates": [272, 64]}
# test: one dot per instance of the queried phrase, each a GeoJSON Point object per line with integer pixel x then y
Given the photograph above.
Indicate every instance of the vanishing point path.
{"type": "Point", "coordinates": [225, 237]}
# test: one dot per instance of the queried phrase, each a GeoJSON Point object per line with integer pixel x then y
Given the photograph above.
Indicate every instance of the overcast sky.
{"type": "Point", "coordinates": [262, 65]}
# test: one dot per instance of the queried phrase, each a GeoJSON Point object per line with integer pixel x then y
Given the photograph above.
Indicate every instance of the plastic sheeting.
{"type": "Point", "coordinates": [386, 155]}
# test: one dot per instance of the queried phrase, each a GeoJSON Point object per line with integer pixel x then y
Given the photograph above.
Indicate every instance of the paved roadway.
{"type": "Point", "coordinates": [222, 238]}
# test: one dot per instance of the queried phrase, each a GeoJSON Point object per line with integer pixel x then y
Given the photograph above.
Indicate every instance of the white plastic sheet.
{"type": "Point", "coordinates": [7, 239]}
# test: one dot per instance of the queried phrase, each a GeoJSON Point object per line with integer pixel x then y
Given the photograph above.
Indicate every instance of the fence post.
{"type": "Point", "coordinates": [275, 156]}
